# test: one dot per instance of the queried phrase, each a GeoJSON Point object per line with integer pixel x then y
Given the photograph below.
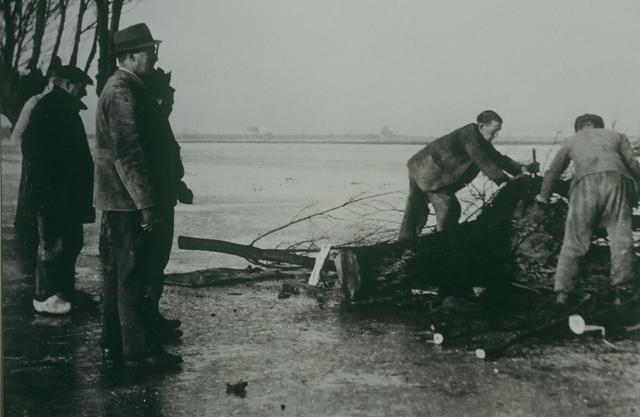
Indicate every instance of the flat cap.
{"type": "Point", "coordinates": [73, 74]}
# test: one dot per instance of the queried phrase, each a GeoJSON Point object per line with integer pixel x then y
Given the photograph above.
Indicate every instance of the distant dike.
{"type": "Point", "coordinates": [347, 139]}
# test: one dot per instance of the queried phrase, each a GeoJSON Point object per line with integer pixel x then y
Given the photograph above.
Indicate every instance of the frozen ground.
{"type": "Point", "coordinates": [306, 355]}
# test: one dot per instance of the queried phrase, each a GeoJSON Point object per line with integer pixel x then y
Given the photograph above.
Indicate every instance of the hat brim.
{"type": "Point", "coordinates": [133, 48]}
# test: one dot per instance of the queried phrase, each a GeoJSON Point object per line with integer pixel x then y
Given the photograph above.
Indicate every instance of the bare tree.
{"type": "Point", "coordinates": [62, 6]}
{"type": "Point", "coordinates": [27, 24]}
{"type": "Point", "coordinates": [76, 44]}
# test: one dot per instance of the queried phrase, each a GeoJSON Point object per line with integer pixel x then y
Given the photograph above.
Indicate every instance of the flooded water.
{"type": "Point", "coordinates": [243, 190]}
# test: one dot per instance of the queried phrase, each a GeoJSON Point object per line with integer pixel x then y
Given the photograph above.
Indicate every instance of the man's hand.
{"type": "Point", "coordinates": [150, 219]}
{"type": "Point", "coordinates": [185, 195]}
{"type": "Point", "coordinates": [531, 168]}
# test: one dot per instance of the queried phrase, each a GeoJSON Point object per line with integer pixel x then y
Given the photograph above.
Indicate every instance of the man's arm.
{"type": "Point", "coordinates": [128, 148]}
{"type": "Point", "coordinates": [23, 120]}
{"type": "Point", "coordinates": [558, 166]}
{"type": "Point", "coordinates": [484, 155]}
{"type": "Point", "coordinates": [628, 157]}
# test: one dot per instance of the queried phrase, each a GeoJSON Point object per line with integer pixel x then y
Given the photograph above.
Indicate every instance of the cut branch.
{"type": "Point", "coordinates": [251, 253]}
{"type": "Point", "coordinates": [353, 200]}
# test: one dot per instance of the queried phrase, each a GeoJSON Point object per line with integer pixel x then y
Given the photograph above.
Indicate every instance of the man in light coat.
{"type": "Point", "coordinates": [604, 191]}
{"type": "Point", "coordinates": [135, 188]}
{"type": "Point", "coordinates": [446, 165]}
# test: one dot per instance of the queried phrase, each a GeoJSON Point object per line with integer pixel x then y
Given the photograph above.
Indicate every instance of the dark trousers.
{"type": "Point", "coordinates": [60, 244]}
{"type": "Point", "coordinates": [445, 204]}
{"type": "Point", "coordinates": [126, 323]}
{"type": "Point", "coordinates": [159, 243]}
{"type": "Point", "coordinates": [26, 224]}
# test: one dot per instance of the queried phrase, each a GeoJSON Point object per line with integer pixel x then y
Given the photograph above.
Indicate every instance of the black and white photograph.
{"type": "Point", "coordinates": [320, 208]}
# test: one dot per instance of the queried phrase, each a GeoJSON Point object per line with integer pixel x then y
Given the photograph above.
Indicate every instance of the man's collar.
{"type": "Point", "coordinates": [68, 96]}
{"type": "Point", "coordinates": [135, 77]}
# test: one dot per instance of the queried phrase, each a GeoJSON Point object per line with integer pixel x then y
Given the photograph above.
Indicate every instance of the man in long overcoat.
{"type": "Point", "coordinates": [26, 220]}
{"type": "Point", "coordinates": [60, 182]}
{"type": "Point", "coordinates": [136, 189]}
{"type": "Point", "coordinates": [446, 165]}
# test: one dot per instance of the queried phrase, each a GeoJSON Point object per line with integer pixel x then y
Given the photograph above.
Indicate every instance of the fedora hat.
{"type": "Point", "coordinates": [134, 37]}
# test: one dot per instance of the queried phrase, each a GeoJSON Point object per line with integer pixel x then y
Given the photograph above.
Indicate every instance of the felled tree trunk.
{"type": "Point", "coordinates": [511, 236]}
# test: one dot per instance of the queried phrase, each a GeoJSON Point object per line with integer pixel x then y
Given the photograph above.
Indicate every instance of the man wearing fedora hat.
{"type": "Point", "coordinates": [60, 178]}
{"type": "Point", "coordinates": [134, 192]}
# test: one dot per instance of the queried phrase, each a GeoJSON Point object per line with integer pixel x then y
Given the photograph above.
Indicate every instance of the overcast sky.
{"type": "Point", "coordinates": [422, 67]}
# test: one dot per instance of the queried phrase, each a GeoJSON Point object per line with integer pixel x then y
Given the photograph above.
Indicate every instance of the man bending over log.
{"type": "Point", "coordinates": [604, 191]}
{"type": "Point", "coordinates": [446, 165]}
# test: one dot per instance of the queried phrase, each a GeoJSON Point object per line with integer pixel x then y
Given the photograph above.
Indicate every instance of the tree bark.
{"type": "Point", "coordinates": [92, 53]}
{"type": "Point", "coordinates": [56, 47]}
{"type": "Point", "coordinates": [102, 27]}
{"type": "Point", "coordinates": [41, 23]}
{"type": "Point", "coordinates": [9, 36]}
{"type": "Point", "coordinates": [76, 41]}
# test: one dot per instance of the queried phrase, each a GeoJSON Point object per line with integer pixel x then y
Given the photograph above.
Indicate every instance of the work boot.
{"type": "Point", "coordinates": [84, 301]}
{"type": "Point", "coordinates": [167, 324]}
{"type": "Point", "coordinates": [169, 335]}
{"type": "Point", "coordinates": [52, 305]}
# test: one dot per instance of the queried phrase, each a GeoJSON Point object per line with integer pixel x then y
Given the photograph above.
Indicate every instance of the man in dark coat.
{"type": "Point", "coordinates": [158, 85]}
{"type": "Point", "coordinates": [137, 191]}
{"type": "Point", "coordinates": [446, 165]}
{"type": "Point", "coordinates": [60, 187]}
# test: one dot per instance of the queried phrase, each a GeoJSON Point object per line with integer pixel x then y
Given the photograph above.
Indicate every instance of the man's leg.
{"type": "Point", "coordinates": [26, 224]}
{"type": "Point", "coordinates": [583, 207]}
{"type": "Point", "coordinates": [138, 339]}
{"type": "Point", "coordinates": [72, 243]}
{"type": "Point", "coordinates": [50, 267]}
{"type": "Point", "coordinates": [156, 258]}
{"type": "Point", "coordinates": [416, 213]}
{"type": "Point", "coordinates": [447, 209]}
{"type": "Point", "coordinates": [111, 338]}
{"type": "Point", "coordinates": [616, 218]}
{"type": "Point", "coordinates": [160, 251]}
{"type": "Point", "coordinates": [49, 254]}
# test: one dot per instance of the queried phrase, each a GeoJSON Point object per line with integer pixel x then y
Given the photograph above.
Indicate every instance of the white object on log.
{"type": "Point", "coordinates": [317, 267]}
{"type": "Point", "coordinates": [481, 354]}
{"type": "Point", "coordinates": [578, 326]}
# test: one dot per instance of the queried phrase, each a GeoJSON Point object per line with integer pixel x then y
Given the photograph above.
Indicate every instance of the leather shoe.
{"type": "Point", "coordinates": [159, 359]}
{"type": "Point", "coordinates": [168, 324]}
{"type": "Point", "coordinates": [109, 354]}
{"type": "Point", "coordinates": [169, 335]}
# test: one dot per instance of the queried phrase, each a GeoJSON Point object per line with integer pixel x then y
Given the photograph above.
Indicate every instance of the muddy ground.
{"type": "Point", "coordinates": [307, 353]}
